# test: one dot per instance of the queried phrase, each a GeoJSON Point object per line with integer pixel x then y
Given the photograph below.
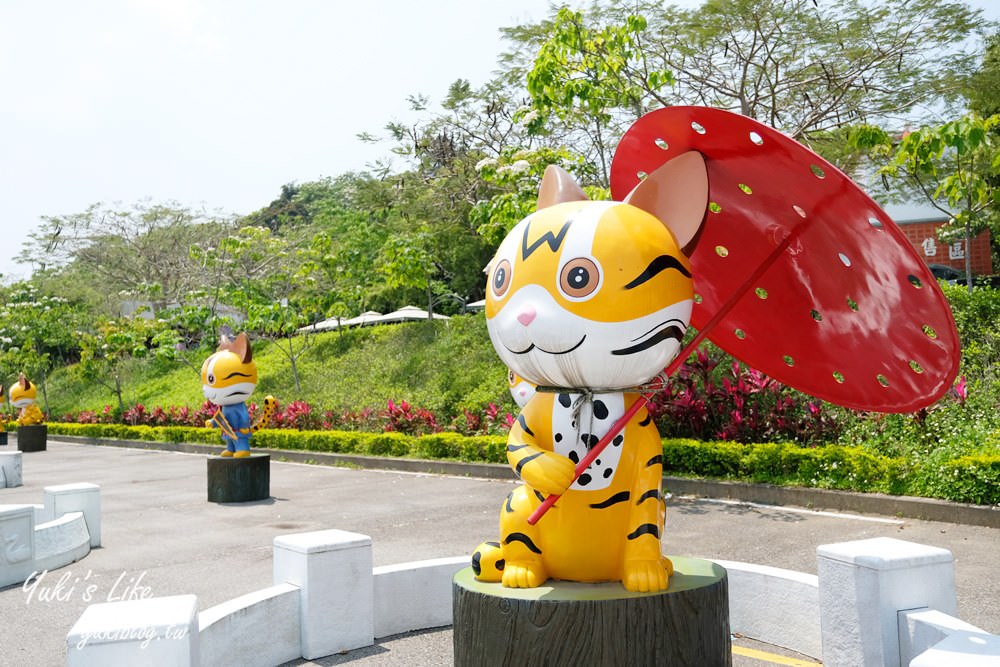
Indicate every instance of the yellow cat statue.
{"type": "Point", "coordinates": [228, 378]}
{"type": "Point", "coordinates": [589, 300]}
{"type": "Point", "coordinates": [22, 396]}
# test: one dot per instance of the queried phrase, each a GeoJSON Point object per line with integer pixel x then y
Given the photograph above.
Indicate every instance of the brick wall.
{"type": "Point", "coordinates": [924, 239]}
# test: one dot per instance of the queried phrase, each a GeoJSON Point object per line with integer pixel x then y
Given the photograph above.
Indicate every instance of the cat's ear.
{"type": "Point", "coordinates": [558, 187]}
{"type": "Point", "coordinates": [25, 383]}
{"type": "Point", "coordinates": [677, 194]}
{"type": "Point", "coordinates": [241, 347]}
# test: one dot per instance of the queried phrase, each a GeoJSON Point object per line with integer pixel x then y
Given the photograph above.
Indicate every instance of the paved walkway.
{"type": "Point", "coordinates": [162, 536]}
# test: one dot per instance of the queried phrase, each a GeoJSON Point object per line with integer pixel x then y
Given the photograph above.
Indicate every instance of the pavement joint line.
{"type": "Point", "coordinates": [799, 510]}
{"type": "Point", "coordinates": [773, 658]}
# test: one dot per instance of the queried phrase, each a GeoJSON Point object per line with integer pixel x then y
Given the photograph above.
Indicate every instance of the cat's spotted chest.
{"type": "Point", "coordinates": [578, 424]}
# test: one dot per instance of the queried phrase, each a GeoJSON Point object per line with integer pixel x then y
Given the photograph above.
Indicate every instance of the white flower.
{"type": "Point", "coordinates": [485, 162]}
{"type": "Point", "coordinates": [520, 166]}
{"type": "Point", "coordinates": [529, 117]}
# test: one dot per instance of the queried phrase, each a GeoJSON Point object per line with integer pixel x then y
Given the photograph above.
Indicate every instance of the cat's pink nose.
{"type": "Point", "coordinates": [527, 315]}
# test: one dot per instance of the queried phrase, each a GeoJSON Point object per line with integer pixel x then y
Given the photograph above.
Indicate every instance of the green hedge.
{"type": "Point", "coordinates": [969, 479]}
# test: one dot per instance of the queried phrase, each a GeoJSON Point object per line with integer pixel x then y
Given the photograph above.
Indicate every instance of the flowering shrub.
{"type": "Point", "coordinates": [705, 401]}
{"type": "Point", "coordinates": [488, 421]}
{"type": "Point", "coordinates": [406, 419]}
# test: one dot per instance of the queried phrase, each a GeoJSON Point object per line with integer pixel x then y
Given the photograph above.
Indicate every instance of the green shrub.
{"type": "Point", "coordinates": [706, 459]}
{"type": "Point", "coordinates": [967, 479]}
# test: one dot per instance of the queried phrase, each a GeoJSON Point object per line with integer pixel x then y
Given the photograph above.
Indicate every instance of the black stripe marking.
{"type": "Point", "coordinates": [620, 497]}
{"type": "Point", "coordinates": [515, 448]}
{"type": "Point", "coordinates": [645, 529]}
{"type": "Point", "coordinates": [520, 464]}
{"type": "Point", "coordinates": [523, 539]}
{"type": "Point", "coordinates": [509, 506]}
{"type": "Point", "coordinates": [656, 460]}
{"type": "Point", "coordinates": [670, 333]}
{"type": "Point", "coordinates": [524, 424]}
{"type": "Point", "coordinates": [652, 493]}
{"type": "Point", "coordinates": [494, 544]}
{"type": "Point", "coordinates": [554, 241]}
{"type": "Point", "coordinates": [658, 265]}
{"type": "Point", "coordinates": [477, 567]}
{"type": "Point", "coordinates": [538, 494]}
{"type": "Point", "coordinates": [237, 374]}
{"type": "Point", "coordinates": [647, 421]}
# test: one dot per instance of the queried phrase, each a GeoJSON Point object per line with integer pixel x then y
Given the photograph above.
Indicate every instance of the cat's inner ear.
{"type": "Point", "coordinates": [558, 187]}
{"type": "Point", "coordinates": [677, 194]}
{"type": "Point", "coordinates": [241, 347]}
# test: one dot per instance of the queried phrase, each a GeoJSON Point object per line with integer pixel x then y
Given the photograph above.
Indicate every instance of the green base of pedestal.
{"type": "Point", "coordinates": [239, 480]}
{"type": "Point", "coordinates": [32, 438]}
{"type": "Point", "coordinates": [569, 623]}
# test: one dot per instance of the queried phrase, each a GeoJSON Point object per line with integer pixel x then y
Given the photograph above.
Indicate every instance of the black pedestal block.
{"type": "Point", "coordinates": [239, 480]}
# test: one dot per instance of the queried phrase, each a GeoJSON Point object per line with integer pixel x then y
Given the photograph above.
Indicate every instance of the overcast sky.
{"type": "Point", "coordinates": [217, 103]}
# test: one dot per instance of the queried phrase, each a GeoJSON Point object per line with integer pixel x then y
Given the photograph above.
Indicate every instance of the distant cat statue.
{"type": "Point", "coordinates": [228, 379]}
{"type": "Point", "coordinates": [22, 395]}
{"type": "Point", "coordinates": [588, 299]}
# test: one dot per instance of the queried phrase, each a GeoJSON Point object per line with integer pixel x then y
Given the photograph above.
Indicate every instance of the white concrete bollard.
{"type": "Point", "coordinates": [17, 543]}
{"type": "Point", "coordinates": [920, 629]}
{"type": "Point", "coordinates": [82, 497]}
{"type": "Point", "coordinates": [333, 569]}
{"type": "Point", "coordinates": [967, 649]}
{"type": "Point", "coordinates": [158, 631]}
{"type": "Point", "coordinates": [10, 469]}
{"type": "Point", "coordinates": [862, 587]}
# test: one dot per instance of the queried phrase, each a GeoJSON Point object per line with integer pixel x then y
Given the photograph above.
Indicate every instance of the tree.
{"type": "Point", "coordinates": [954, 166]}
{"type": "Point", "coordinates": [142, 250]}
{"type": "Point", "coordinates": [260, 270]}
{"type": "Point", "coordinates": [109, 353]}
{"type": "Point", "coordinates": [583, 74]}
{"type": "Point", "coordinates": [984, 87]}
{"type": "Point", "coordinates": [804, 67]}
{"type": "Point", "coordinates": [37, 333]}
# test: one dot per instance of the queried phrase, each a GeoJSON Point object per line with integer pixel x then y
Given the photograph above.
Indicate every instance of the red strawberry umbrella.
{"type": "Point", "coordinates": [839, 305]}
{"type": "Point", "coordinates": [797, 271]}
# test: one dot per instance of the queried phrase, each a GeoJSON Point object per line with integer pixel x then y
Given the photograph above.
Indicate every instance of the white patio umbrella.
{"type": "Point", "coordinates": [333, 323]}
{"type": "Point", "coordinates": [407, 313]}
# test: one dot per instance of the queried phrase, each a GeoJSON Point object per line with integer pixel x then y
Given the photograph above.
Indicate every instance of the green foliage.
{"type": "Point", "coordinates": [971, 479]}
{"type": "Point", "coordinates": [968, 479]}
{"type": "Point", "coordinates": [953, 166]}
{"type": "Point", "coordinates": [444, 366]}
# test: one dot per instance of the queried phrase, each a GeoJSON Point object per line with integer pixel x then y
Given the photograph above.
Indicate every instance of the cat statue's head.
{"type": "Point", "coordinates": [598, 294]}
{"type": "Point", "coordinates": [23, 393]}
{"type": "Point", "coordinates": [229, 376]}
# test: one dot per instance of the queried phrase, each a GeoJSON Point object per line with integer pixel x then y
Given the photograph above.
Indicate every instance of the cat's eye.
{"type": "Point", "coordinates": [510, 377]}
{"type": "Point", "coordinates": [579, 278]}
{"type": "Point", "coordinates": [211, 379]}
{"type": "Point", "coordinates": [501, 278]}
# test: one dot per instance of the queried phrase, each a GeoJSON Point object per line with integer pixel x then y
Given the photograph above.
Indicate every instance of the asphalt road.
{"type": "Point", "coordinates": [160, 533]}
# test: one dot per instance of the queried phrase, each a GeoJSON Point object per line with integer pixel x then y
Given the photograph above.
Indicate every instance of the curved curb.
{"type": "Point", "coordinates": [927, 509]}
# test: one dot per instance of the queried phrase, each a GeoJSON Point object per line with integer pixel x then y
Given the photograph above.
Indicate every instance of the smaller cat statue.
{"type": "Point", "coordinates": [22, 395]}
{"type": "Point", "coordinates": [228, 379]}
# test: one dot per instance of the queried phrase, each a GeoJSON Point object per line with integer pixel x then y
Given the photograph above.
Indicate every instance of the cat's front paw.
{"type": "Point", "coordinates": [550, 473]}
{"type": "Point", "coordinates": [524, 574]}
{"type": "Point", "coordinates": [644, 576]}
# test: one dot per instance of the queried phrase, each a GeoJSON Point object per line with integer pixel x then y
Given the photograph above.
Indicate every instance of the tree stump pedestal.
{"type": "Point", "coordinates": [3, 438]}
{"type": "Point", "coordinates": [32, 437]}
{"type": "Point", "coordinates": [568, 623]}
{"type": "Point", "coordinates": [239, 480]}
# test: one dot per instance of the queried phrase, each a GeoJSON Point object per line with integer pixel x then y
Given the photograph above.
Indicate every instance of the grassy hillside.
{"type": "Point", "coordinates": [442, 365]}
